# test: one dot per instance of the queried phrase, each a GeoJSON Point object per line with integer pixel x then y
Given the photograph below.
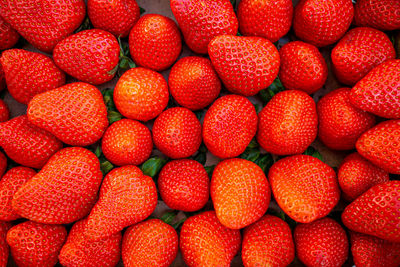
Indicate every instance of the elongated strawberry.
{"type": "Point", "coordinates": [3, 163]}
{"type": "Point", "coordinates": [380, 14]}
{"type": "Point", "coordinates": [4, 249]}
{"type": "Point", "coordinates": [8, 36]}
{"type": "Point", "coordinates": [4, 111]}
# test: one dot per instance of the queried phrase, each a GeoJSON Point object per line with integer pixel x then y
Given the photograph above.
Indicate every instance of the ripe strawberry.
{"type": "Point", "coordinates": [177, 133]}
{"type": "Point", "coordinates": [8, 36]}
{"type": "Point", "coordinates": [268, 242]}
{"type": "Point", "coordinates": [322, 23]}
{"type": "Point", "coordinates": [4, 111]}
{"type": "Point", "coordinates": [380, 14]}
{"type": "Point", "coordinates": [4, 249]}
{"type": "Point", "coordinates": [43, 23]}
{"type": "Point", "coordinates": [193, 82]}
{"type": "Point", "coordinates": [376, 212]}
{"type": "Point", "coordinates": [63, 191]}
{"type": "Point", "coordinates": [204, 241]}
{"type": "Point", "coordinates": [3, 164]}
{"type": "Point", "coordinates": [257, 68]}
{"type": "Point", "coordinates": [378, 92]}
{"type": "Point", "coordinates": [358, 52]}
{"type": "Point", "coordinates": [184, 185]}
{"type": "Point", "coordinates": [229, 125]}
{"type": "Point", "coordinates": [27, 144]}
{"type": "Point", "coordinates": [149, 243]}
{"type": "Point", "coordinates": [340, 123]}
{"type": "Point", "coordinates": [141, 94]}
{"type": "Point", "coordinates": [75, 113]}
{"type": "Point", "coordinates": [36, 244]}
{"type": "Point", "coordinates": [28, 74]}
{"type": "Point", "coordinates": [115, 16]}
{"type": "Point", "coordinates": [2, 78]}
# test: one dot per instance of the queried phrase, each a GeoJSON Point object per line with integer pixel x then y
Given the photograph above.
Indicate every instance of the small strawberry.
{"type": "Point", "coordinates": [8, 36]}
{"type": "Point", "coordinates": [3, 163]}
{"type": "Point", "coordinates": [380, 14]}
{"type": "Point", "coordinates": [245, 65]}
{"type": "Point", "coordinates": [4, 111]}
{"type": "Point", "coordinates": [4, 249]}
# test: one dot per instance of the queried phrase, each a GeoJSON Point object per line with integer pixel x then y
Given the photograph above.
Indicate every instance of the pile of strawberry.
{"type": "Point", "coordinates": [80, 180]}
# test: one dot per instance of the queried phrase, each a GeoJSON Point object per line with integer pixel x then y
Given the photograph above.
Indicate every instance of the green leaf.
{"type": "Point", "coordinates": [153, 166]}
{"type": "Point", "coordinates": [106, 166]}
{"type": "Point", "coordinates": [177, 224]}
{"type": "Point", "coordinates": [98, 151]}
{"type": "Point", "coordinates": [142, 10]}
{"type": "Point", "coordinates": [239, 34]}
{"type": "Point", "coordinates": [113, 116]}
{"type": "Point", "coordinates": [314, 153]}
{"type": "Point", "coordinates": [168, 217]}
{"type": "Point", "coordinates": [253, 143]}
{"type": "Point", "coordinates": [265, 161]}
{"type": "Point", "coordinates": [209, 170]}
{"type": "Point", "coordinates": [267, 94]}
{"type": "Point", "coordinates": [250, 154]}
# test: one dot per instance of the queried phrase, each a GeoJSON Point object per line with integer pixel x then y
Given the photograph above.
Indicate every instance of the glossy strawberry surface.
{"type": "Point", "coordinates": [4, 111]}
{"type": "Point", "coordinates": [4, 249]}
{"type": "Point", "coordinates": [380, 14]}
{"type": "Point", "coordinates": [8, 36]}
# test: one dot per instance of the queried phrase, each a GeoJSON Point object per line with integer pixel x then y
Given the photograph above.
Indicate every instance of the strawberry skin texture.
{"type": "Point", "coordinates": [204, 241]}
{"type": "Point", "coordinates": [64, 190]}
{"type": "Point", "coordinates": [184, 185]}
{"type": "Point", "coordinates": [193, 82]}
{"type": "Point", "coordinates": [43, 23]}
{"type": "Point", "coordinates": [26, 143]}
{"type": "Point", "coordinates": [202, 20]}
{"type": "Point", "coordinates": [288, 124]}
{"type": "Point", "coordinates": [380, 14]}
{"type": "Point", "coordinates": [245, 65]}
{"type": "Point", "coordinates": [8, 36]}
{"type": "Point", "coordinates": [268, 242]}
{"type": "Point", "coordinates": [149, 243]}
{"type": "Point", "coordinates": [127, 142]}
{"type": "Point", "coordinates": [4, 111]}
{"type": "Point", "coordinates": [304, 187]}
{"type": "Point", "coordinates": [358, 52]}
{"type": "Point", "coordinates": [322, 23]}
{"type": "Point", "coordinates": [2, 78]}
{"type": "Point", "coordinates": [229, 125]}
{"type": "Point", "coordinates": [376, 212]}
{"type": "Point", "coordinates": [28, 74]}
{"type": "Point", "coordinates": [141, 94]}
{"type": "Point", "coordinates": [3, 163]}
{"type": "Point", "coordinates": [177, 133]}
{"type": "Point", "coordinates": [4, 249]}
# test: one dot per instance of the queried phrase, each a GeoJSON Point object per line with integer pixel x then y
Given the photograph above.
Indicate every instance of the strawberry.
{"type": "Point", "coordinates": [43, 23]}
{"type": "Point", "coordinates": [305, 188]}
{"type": "Point", "coordinates": [149, 243]}
{"type": "Point", "coordinates": [380, 146]}
{"type": "Point", "coordinates": [257, 68]}
{"type": "Point", "coordinates": [177, 133]}
{"type": "Point", "coordinates": [378, 92]}
{"type": "Point", "coordinates": [268, 242]}
{"type": "Point", "coordinates": [380, 14]}
{"type": "Point", "coordinates": [9, 185]}
{"type": "Point", "coordinates": [141, 94]}
{"type": "Point", "coordinates": [28, 74]}
{"type": "Point", "coordinates": [127, 196]}
{"type": "Point", "coordinates": [376, 212]}
{"type": "Point", "coordinates": [358, 52]}
{"type": "Point", "coordinates": [27, 144]}
{"type": "Point", "coordinates": [193, 82]}
{"type": "Point", "coordinates": [155, 42]}
{"type": "Point", "coordinates": [184, 185]}
{"type": "Point", "coordinates": [288, 123]}
{"type": "Point", "coordinates": [116, 16]}
{"type": "Point", "coordinates": [2, 78]}
{"type": "Point", "coordinates": [3, 163]}
{"type": "Point", "coordinates": [75, 113]}
{"type": "Point", "coordinates": [322, 23]}
{"type": "Point", "coordinates": [204, 241]}
{"type": "Point", "coordinates": [36, 244]}
{"type": "Point", "coordinates": [202, 20]}
{"type": "Point", "coordinates": [78, 251]}
{"type": "Point", "coordinates": [302, 67]}
{"type": "Point", "coordinates": [8, 36]}
{"type": "Point", "coordinates": [340, 123]}
{"type": "Point", "coordinates": [229, 125]}
{"type": "Point", "coordinates": [4, 111]}
{"type": "Point", "coordinates": [127, 142]}
{"type": "Point", "coordinates": [63, 191]}
{"type": "Point", "coordinates": [4, 249]}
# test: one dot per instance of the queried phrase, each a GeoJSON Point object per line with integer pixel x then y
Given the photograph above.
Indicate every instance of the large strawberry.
{"type": "Point", "coordinates": [43, 23]}
{"type": "Point", "coordinates": [8, 36]}
{"type": "Point", "coordinates": [4, 111]}
{"type": "Point", "coordinates": [245, 65]}
{"type": "Point", "coordinates": [4, 249]}
{"type": "Point", "coordinates": [3, 163]}
{"type": "Point", "coordinates": [75, 113]}
{"type": "Point", "coordinates": [380, 14]}
{"type": "Point", "coordinates": [63, 191]}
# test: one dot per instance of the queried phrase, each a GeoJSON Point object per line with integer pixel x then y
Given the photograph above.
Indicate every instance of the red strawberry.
{"type": "Point", "coordinates": [63, 191]}
{"type": "Point", "coordinates": [322, 23]}
{"type": "Point", "coordinates": [340, 123]}
{"type": "Point", "coordinates": [27, 144]}
{"type": "Point", "coordinates": [43, 23]}
{"type": "Point", "coordinates": [184, 185]}
{"type": "Point", "coordinates": [193, 82]}
{"type": "Point", "coordinates": [302, 67]}
{"type": "Point", "coordinates": [376, 212]}
{"type": "Point", "coordinates": [4, 249]}
{"type": "Point", "coordinates": [358, 52]}
{"type": "Point", "coordinates": [379, 91]}
{"type": "Point", "coordinates": [177, 133]}
{"type": "Point", "coordinates": [8, 36]}
{"type": "Point", "coordinates": [3, 164]}
{"type": "Point", "coordinates": [4, 111]}
{"type": "Point", "coordinates": [380, 14]}
{"type": "Point", "coordinates": [2, 78]}
{"type": "Point", "coordinates": [36, 244]}
{"type": "Point", "coordinates": [257, 68]}
{"type": "Point", "coordinates": [204, 241]}
{"type": "Point", "coordinates": [115, 16]}
{"type": "Point", "coordinates": [229, 125]}
{"type": "Point", "coordinates": [28, 74]}
{"type": "Point", "coordinates": [75, 113]}
{"type": "Point", "coordinates": [268, 242]}
{"type": "Point", "coordinates": [202, 20]}
{"type": "Point", "coordinates": [149, 243]}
